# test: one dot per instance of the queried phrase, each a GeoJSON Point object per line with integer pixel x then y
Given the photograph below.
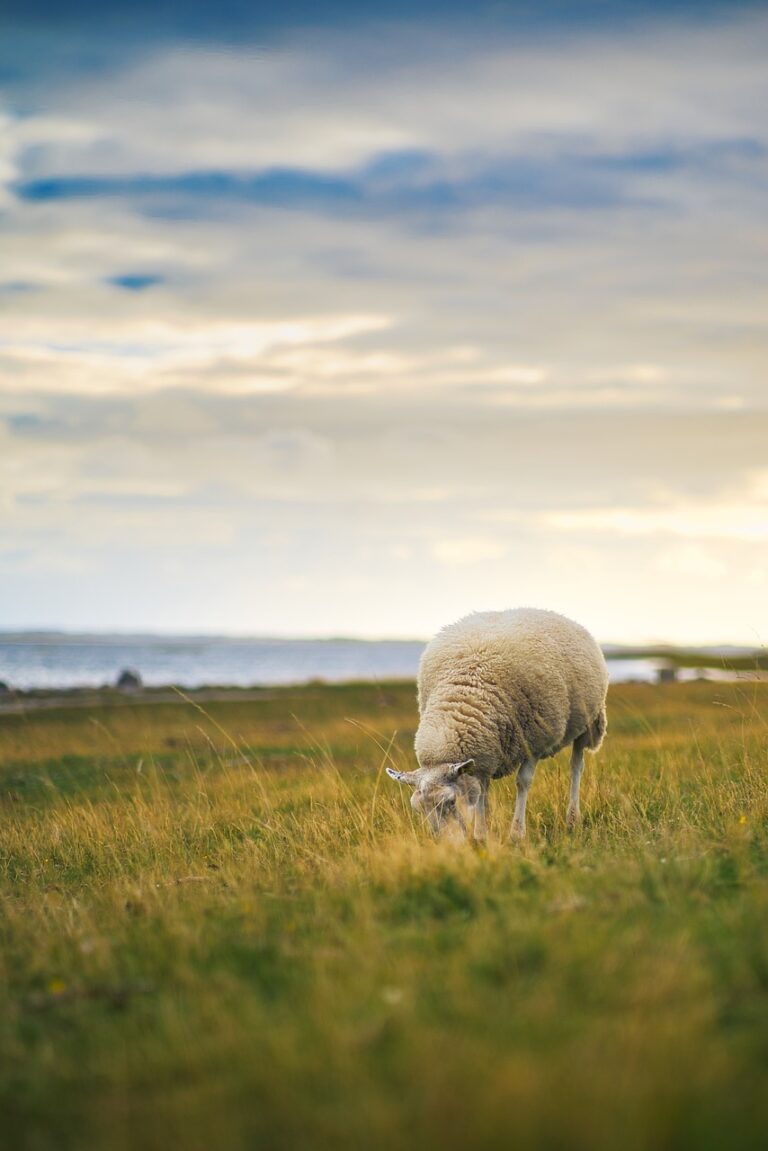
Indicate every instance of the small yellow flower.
{"type": "Point", "coordinates": [57, 987]}
{"type": "Point", "coordinates": [742, 819]}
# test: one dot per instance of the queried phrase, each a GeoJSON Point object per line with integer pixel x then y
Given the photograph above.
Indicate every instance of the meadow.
{"type": "Point", "coordinates": [220, 926]}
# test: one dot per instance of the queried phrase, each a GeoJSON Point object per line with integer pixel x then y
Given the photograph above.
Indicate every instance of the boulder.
{"type": "Point", "coordinates": [128, 680]}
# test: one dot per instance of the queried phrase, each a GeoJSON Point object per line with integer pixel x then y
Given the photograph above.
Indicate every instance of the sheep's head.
{"type": "Point", "coordinates": [437, 789]}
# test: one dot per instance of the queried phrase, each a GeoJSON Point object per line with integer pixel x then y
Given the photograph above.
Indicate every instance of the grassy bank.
{"type": "Point", "coordinates": [221, 928]}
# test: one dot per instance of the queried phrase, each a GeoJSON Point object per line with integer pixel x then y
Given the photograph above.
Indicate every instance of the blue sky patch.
{"type": "Point", "coordinates": [135, 282]}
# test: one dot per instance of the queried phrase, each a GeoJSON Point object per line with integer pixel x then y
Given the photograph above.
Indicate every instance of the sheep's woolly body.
{"type": "Point", "coordinates": [508, 687]}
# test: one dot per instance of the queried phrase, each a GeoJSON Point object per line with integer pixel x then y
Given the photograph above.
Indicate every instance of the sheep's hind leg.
{"type": "Point", "coordinates": [524, 780]}
{"type": "Point", "coordinates": [577, 768]}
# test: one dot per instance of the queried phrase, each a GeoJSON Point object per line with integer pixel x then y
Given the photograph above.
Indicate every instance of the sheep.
{"type": "Point", "coordinates": [497, 692]}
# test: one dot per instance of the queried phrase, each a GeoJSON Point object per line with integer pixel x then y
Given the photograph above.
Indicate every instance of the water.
{"type": "Point", "coordinates": [29, 661]}
{"type": "Point", "coordinates": [34, 661]}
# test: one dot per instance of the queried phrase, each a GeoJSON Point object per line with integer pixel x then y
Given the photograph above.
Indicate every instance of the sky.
{"type": "Point", "coordinates": [315, 322]}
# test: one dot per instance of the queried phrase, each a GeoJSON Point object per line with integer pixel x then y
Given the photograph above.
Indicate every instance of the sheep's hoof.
{"type": "Point", "coordinates": [573, 820]}
{"type": "Point", "coordinates": [517, 834]}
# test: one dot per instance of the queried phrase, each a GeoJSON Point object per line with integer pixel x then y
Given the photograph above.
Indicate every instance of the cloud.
{"type": "Point", "coordinates": [423, 119]}
{"type": "Point", "coordinates": [351, 332]}
{"type": "Point", "coordinates": [329, 104]}
{"type": "Point", "coordinates": [156, 354]}
{"type": "Point", "coordinates": [402, 516]}
{"type": "Point", "coordinates": [444, 471]}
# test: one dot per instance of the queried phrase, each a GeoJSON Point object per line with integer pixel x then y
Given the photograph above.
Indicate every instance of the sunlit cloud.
{"type": "Point", "coordinates": [155, 355]}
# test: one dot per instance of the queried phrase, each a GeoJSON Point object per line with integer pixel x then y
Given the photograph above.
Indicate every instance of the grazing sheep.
{"type": "Point", "coordinates": [498, 691]}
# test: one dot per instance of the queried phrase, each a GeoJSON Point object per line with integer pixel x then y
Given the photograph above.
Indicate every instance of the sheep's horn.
{"type": "Point", "coordinates": [403, 776]}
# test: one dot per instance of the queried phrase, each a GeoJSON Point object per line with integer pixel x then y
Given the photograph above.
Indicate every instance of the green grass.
{"type": "Point", "coordinates": [223, 929]}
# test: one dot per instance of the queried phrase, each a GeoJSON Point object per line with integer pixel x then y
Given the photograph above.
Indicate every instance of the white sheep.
{"type": "Point", "coordinates": [498, 691]}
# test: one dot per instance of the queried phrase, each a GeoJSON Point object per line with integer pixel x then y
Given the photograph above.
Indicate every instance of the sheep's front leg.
{"type": "Point", "coordinates": [479, 810]}
{"type": "Point", "coordinates": [523, 781]}
{"type": "Point", "coordinates": [577, 767]}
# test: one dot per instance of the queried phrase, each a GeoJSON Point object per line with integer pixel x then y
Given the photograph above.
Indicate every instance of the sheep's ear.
{"type": "Point", "coordinates": [410, 777]}
{"type": "Point", "coordinates": [457, 769]}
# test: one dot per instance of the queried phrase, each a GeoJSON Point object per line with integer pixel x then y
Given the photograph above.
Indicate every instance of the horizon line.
{"type": "Point", "coordinates": [73, 634]}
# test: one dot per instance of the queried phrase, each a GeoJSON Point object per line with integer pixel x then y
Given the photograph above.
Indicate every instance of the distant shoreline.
{"type": "Point", "coordinates": [43, 699]}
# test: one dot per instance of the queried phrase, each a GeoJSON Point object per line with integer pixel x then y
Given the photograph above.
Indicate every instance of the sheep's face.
{"type": "Point", "coordinates": [436, 803]}
{"type": "Point", "coordinates": [436, 791]}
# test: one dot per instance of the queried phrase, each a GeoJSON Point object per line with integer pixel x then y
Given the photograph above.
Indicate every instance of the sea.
{"type": "Point", "coordinates": [39, 661]}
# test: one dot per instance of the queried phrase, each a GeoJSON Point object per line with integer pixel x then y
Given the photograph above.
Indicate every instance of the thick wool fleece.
{"type": "Point", "coordinates": [504, 687]}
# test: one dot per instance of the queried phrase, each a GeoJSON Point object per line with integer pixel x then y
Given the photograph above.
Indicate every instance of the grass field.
{"type": "Point", "coordinates": [221, 928]}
